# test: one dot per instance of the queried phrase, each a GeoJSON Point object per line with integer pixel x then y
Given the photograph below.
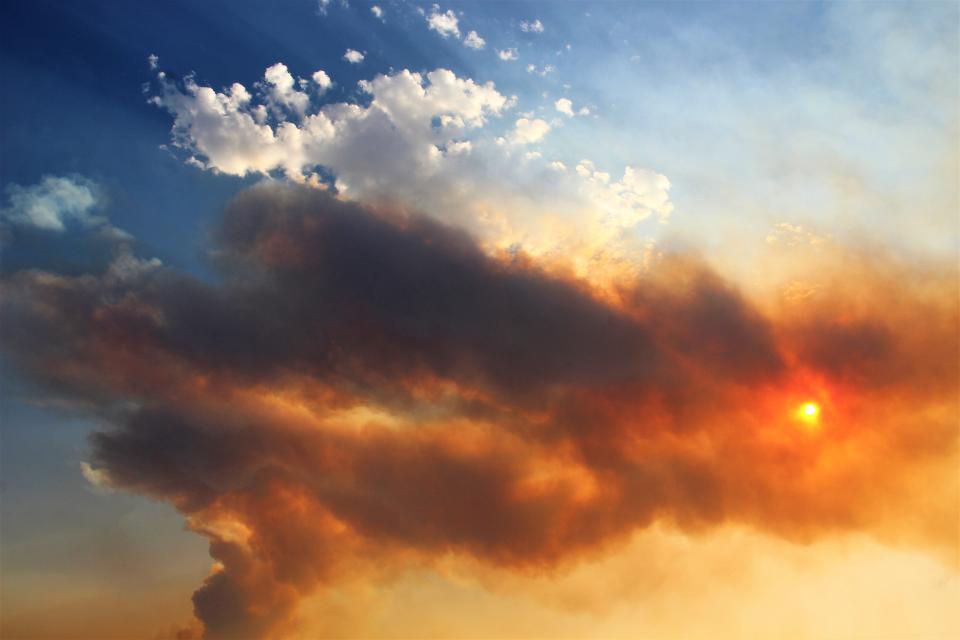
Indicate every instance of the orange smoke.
{"type": "Point", "coordinates": [364, 392]}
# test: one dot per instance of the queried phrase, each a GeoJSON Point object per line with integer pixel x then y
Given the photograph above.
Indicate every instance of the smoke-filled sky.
{"type": "Point", "coordinates": [479, 320]}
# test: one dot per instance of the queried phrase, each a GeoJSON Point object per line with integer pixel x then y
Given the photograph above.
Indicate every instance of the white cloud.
{"type": "Point", "coordinates": [445, 24]}
{"type": "Point", "coordinates": [322, 80]}
{"type": "Point", "coordinates": [237, 137]}
{"type": "Point", "coordinates": [153, 60]}
{"type": "Point", "coordinates": [531, 27]}
{"type": "Point", "coordinates": [322, 6]}
{"type": "Point", "coordinates": [53, 203]}
{"type": "Point", "coordinates": [528, 131]}
{"type": "Point", "coordinates": [377, 12]}
{"type": "Point", "coordinates": [474, 41]}
{"type": "Point", "coordinates": [507, 54]}
{"type": "Point", "coordinates": [280, 86]}
{"type": "Point", "coordinates": [637, 195]}
{"type": "Point", "coordinates": [542, 72]}
{"type": "Point", "coordinates": [564, 106]}
{"type": "Point", "coordinates": [353, 56]}
{"type": "Point", "coordinates": [423, 141]}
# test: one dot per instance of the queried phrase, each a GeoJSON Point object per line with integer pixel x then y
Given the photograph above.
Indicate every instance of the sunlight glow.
{"type": "Point", "coordinates": [809, 414]}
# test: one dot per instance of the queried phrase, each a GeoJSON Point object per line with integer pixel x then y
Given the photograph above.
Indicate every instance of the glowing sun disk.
{"type": "Point", "coordinates": [809, 414]}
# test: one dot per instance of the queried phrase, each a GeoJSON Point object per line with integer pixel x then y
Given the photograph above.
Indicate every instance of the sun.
{"type": "Point", "coordinates": [809, 414]}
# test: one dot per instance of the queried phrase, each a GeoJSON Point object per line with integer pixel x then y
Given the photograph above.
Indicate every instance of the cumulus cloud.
{"type": "Point", "coordinates": [423, 142]}
{"type": "Point", "coordinates": [534, 26]}
{"type": "Point", "coordinates": [322, 80]}
{"type": "Point", "coordinates": [446, 23]}
{"type": "Point", "coordinates": [474, 41]}
{"type": "Point", "coordinates": [565, 106]}
{"type": "Point", "coordinates": [235, 136]}
{"type": "Point", "coordinates": [283, 96]}
{"type": "Point", "coordinates": [507, 54]}
{"type": "Point", "coordinates": [361, 379]}
{"type": "Point", "coordinates": [377, 12]}
{"type": "Point", "coordinates": [53, 204]}
{"type": "Point", "coordinates": [353, 56]}
{"type": "Point", "coordinates": [637, 192]}
{"type": "Point", "coordinates": [527, 131]}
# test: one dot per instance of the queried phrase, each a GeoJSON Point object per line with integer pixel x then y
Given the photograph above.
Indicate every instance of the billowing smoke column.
{"type": "Point", "coordinates": [358, 386]}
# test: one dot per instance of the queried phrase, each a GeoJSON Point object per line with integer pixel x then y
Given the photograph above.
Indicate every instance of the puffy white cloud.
{"type": "Point", "coordinates": [531, 27]}
{"type": "Point", "coordinates": [53, 203]}
{"type": "Point", "coordinates": [445, 24]}
{"type": "Point", "coordinates": [507, 54]}
{"type": "Point", "coordinates": [409, 116]}
{"type": "Point", "coordinates": [423, 142]}
{"type": "Point", "coordinates": [280, 86]}
{"type": "Point", "coordinates": [153, 61]}
{"type": "Point", "coordinates": [636, 196]}
{"type": "Point", "coordinates": [322, 6]}
{"type": "Point", "coordinates": [377, 12]}
{"type": "Point", "coordinates": [322, 80]}
{"type": "Point", "coordinates": [353, 56]}
{"type": "Point", "coordinates": [565, 106]}
{"type": "Point", "coordinates": [527, 131]}
{"type": "Point", "coordinates": [474, 41]}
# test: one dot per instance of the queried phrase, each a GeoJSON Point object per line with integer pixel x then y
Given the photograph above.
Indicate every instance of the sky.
{"type": "Point", "coordinates": [331, 319]}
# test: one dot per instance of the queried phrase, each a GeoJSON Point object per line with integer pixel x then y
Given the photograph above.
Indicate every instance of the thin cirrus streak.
{"type": "Point", "coordinates": [362, 388]}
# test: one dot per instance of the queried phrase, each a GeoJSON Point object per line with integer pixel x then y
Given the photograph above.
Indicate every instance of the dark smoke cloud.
{"type": "Point", "coordinates": [361, 385]}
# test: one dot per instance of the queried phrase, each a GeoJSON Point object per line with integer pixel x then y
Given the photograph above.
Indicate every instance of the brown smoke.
{"type": "Point", "coordinates": [358, 386]}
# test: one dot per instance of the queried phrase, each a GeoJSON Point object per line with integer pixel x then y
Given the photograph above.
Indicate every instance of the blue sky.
{"type": "Point", "coordinates": [665, 82]}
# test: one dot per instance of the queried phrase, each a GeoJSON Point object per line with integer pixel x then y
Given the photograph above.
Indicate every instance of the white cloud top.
{"type": "Point", "coordinates": [322, 80]}
{"type": "Point", "coordinates": [281, 90]}
{"type": "Point", "coordinates": [353, 56]}
{"type": "Point", "coordinates": [474, 41]}
{"type": "Point", "coordinates": [527, 131]}
{"type": "Point", "coordinates": [445, 24]}
{"type": "Point", "coordinates": [507, 54]}
{"type": "Point", "coordinates": [427, 142]}
{"type": "Point", "coordinates": [52, 204]}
